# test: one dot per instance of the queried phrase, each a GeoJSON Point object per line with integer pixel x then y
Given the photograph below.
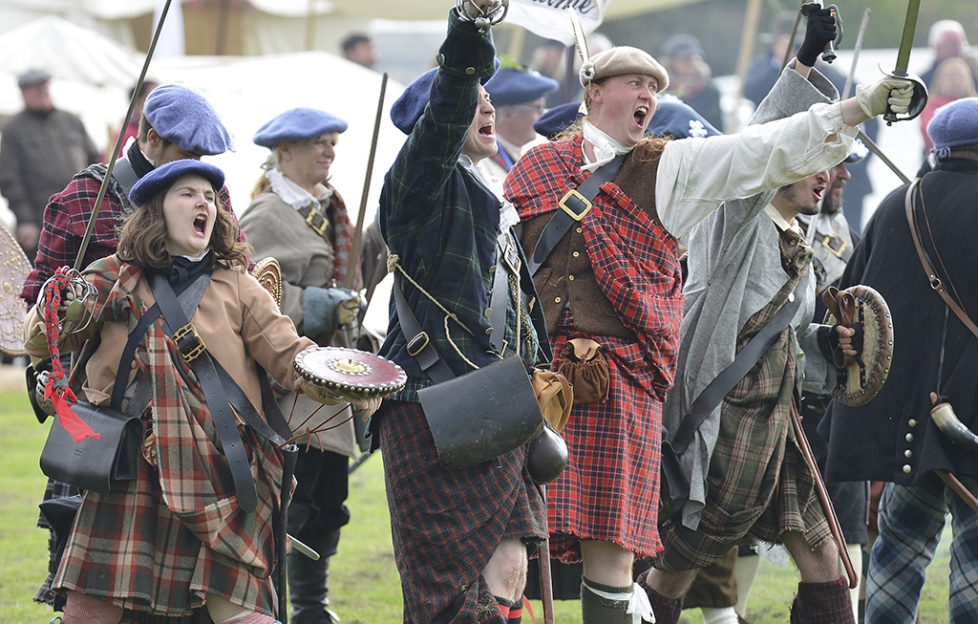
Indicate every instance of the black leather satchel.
{"type": "Point", "coordinates": [483, 414]}
{"type": "Point", "coordinates": [102, 464]}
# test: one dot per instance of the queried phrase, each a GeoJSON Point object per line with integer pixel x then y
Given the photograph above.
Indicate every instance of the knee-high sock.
{"type": "Point", "coordinates": [817, 603]}
{"type": "Point", "coordinates": [666, 610]}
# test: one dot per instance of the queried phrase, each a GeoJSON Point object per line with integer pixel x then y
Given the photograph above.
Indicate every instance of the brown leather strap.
{"type": "Point", "coordinates": [935, 281]}
{"type": "Point", "coordinates": [317, 221]}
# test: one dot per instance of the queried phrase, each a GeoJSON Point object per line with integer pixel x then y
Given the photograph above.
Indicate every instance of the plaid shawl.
{"type": "Point", "coordinates": [193, 473]}
{"type": "Point", "coordinates": [342, 239]}
{"type": "Point", "coordinates": [634, 258]}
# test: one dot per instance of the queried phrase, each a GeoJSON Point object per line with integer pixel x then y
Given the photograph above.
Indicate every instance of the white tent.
{"type": "Point", "coordinates": [92, 77]}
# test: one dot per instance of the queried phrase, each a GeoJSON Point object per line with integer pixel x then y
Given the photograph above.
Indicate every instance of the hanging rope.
{"type": "Point", "coordinates": [57, 390]}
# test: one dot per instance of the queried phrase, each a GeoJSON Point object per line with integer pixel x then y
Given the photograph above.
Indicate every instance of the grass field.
{"type": "Point", "coordinates": [363, 579]}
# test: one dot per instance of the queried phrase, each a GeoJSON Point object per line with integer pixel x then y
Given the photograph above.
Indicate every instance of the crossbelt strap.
{"type": "Point", "coordinates": [574, 205]}
{"type": "Point", "coordinates": [188, 299]}
{"type": "Point", "coordinates": [935, 281]}
{"type": "Point", "coordinates": [216, 393]}
{"type": "Point", "coordinates": [419, 345]}
{"type": "Point", "coordinates": [737, 370]}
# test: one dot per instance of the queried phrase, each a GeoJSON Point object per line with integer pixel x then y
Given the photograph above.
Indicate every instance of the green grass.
{"type": "Point", "coordinates": [364, 584]}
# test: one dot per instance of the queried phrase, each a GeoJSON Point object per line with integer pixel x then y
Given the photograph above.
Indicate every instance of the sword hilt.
{"type": "Point", "coordinates": [917, 101]}
{"type": "Point", "coordinates": [828, 54]}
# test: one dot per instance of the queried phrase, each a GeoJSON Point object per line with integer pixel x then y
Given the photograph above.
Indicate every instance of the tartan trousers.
{"type": "Point", "coordinates": [911, 520]}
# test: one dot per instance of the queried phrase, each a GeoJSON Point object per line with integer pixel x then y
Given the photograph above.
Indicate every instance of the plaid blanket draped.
{"type": "Point", "coordinates": [609, 492]}
{"type": "Point", "coordinates": [634, 258]}
{"type": "Point", "coordinates": [758, 484]}
{"type": "Point", "coordinates": [342, 239]}
{"type": "Point", "coordinates": [176, 532]}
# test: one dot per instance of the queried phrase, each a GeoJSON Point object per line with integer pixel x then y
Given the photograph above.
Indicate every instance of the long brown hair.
{"type": "Point", "coordinates": [142, 239]}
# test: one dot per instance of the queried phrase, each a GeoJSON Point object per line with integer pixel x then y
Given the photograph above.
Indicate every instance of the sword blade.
{"type": "Point", "coordinates": [906, 41]}
{"type": "Point", "coordinates": [112, 157]}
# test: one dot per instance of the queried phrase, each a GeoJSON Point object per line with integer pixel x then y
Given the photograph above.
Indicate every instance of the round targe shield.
{"type": "Point", "coordinates": [14, 268]}
{"type": "Point", "coordinates": [350, 371]}
{"type": "Point", "coordinates": [864, 308]}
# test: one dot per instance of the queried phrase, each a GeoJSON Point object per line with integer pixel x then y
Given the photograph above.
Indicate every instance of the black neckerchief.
{"type": "Point", "coordinates": [183, 271]}
{"type": "Point", "coordinates": [139, 163]}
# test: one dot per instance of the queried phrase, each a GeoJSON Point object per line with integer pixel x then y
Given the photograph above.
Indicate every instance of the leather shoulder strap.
{"type": "Point", "coordinates": [745, 360]}
{"type": "Point", "coordinates": [935, 281]}
{"type": "Point", "coordinates": [574, 205]}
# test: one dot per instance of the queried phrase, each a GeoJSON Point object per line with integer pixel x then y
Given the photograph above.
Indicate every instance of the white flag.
{"type": "Point", "coordinates": [548, 18]}
{"type": "Point", "coordinates": [171, 41]}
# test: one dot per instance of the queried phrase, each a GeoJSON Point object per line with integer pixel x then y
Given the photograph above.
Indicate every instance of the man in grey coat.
{"type": "Point", "coordinates": [746, 476]}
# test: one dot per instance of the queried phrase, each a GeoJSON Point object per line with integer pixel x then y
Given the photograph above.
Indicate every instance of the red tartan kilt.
{"type": "Point", "coordinates": [610, 489]}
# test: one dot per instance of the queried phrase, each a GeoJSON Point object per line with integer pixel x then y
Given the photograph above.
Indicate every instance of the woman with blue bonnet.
{"type": "Point", "coordinates": [194, 534]}
{"type": "Point", "coordinates": [297, 217]}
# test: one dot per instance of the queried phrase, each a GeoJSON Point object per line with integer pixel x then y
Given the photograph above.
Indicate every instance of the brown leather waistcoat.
{"type": "Point", "coordinates": [566, 278]}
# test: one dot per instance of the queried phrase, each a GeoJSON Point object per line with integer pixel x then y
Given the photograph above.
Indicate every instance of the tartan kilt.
{"type": "Point", "coordinates": [447, 523]}
{"type": "Point", "coordinates": [759, 485]}
{"type": "Point", "coordinates": [129, 548]}
{"type": "Point", "coordinates": [610, 488]}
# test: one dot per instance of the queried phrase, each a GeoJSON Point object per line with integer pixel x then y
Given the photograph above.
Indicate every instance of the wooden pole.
{"type": "Point", "coordinates": [746, 51]}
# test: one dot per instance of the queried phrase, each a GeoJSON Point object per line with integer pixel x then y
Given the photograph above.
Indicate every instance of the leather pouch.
{"type": "Point", "coordinates": [585, 367]}
{"type": "Point", "coordinates": [555, 396]}
{"type": "Point", "coordinates": [102, 464]}
{"type": "Point", "coordinates": [482, 414]}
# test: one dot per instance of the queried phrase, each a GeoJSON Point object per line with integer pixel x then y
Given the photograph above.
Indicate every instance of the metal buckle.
{"type": "Point", "coordinates": [831, 238]}
{"type": "Point", "coordinates": [189, 350]}
{"type": "Point", "coordinates": [412, 346]}
{"type": "Point", "coordinates": [310, 221]}
{"type": "Point", "coordinates": [512, 258]}
{"type": "Point", "coordinates": [573, 194]}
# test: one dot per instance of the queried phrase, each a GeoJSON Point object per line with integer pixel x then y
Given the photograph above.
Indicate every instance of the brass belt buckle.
{"type": "Point", "coordinates": [835, 238]}
{"type": "Point", "coordinates": [193, 346]}
{"type": "Point", "coordinates": [577, 197]}
{"type": "Point", "coordinates": [311, 221]}
{"type": "Point", "coordinates": [417, 344]}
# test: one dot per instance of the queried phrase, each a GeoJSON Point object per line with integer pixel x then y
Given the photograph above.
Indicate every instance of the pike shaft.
{"type": "Point", "coordinates": [850, 79]}
{"type": "Point", "coordinates": [906, 40]}
{"type": "Point", "coordinates": [873, 147]}
{"type": "Point", "coordinates": [118, 143]}
{"type": "Point", "coordinates": [358, 233]}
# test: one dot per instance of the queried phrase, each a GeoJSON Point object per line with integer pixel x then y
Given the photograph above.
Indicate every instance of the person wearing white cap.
{"type": "Point", "coordinates": [612, 285]}
{"type": "Point", "coordinates": [40, 149]}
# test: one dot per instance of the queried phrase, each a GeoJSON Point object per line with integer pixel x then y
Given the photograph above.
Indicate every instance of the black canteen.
{"type": "Point", "coordinates": [546, 456]}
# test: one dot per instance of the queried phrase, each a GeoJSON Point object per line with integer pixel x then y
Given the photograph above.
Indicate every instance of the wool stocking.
{"type": "Point", "coordinates": [666, 610]}
{"type": "Point", "coordinates": [823, 602]}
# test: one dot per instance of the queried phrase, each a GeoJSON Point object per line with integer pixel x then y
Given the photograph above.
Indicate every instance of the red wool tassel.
{"type": "Point", "coordinates": [57, 390]}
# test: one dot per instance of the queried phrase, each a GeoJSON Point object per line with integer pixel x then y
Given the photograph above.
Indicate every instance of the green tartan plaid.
{"type": "Point", "coordinates": [759, 485]}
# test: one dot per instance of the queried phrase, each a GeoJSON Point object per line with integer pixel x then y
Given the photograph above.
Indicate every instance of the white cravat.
{"type": "Point", "coordinates": [291, 193]}
{"type": "Point", "coordinates": [605, 147]}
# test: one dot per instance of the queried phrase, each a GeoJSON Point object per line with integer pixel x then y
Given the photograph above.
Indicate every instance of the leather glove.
{"type": "Point", "coordinates": [819, 31]}
{"type": "Point", "coordinates": [348, 308]}
{"type": "Point", "coordinates": [873, 99]}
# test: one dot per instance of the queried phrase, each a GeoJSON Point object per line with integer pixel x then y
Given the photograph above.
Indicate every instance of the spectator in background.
{"type": "Point", "coordinates": [947, 40]}
{"type": "Point", "coordinates": [132, 127]}
{"type": "Point", "coordinates": [41, 148]}
{"type": "Point", "coordinates": [549, 58]}
{"type": "Point", "coordinates": [952, 80]}
{"type": "Point", "coordinates": [689, 77]}
{"type": "Point", "coordinates": [360, 49]}
{"type": "Point", "coordinates": [519, 97]}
